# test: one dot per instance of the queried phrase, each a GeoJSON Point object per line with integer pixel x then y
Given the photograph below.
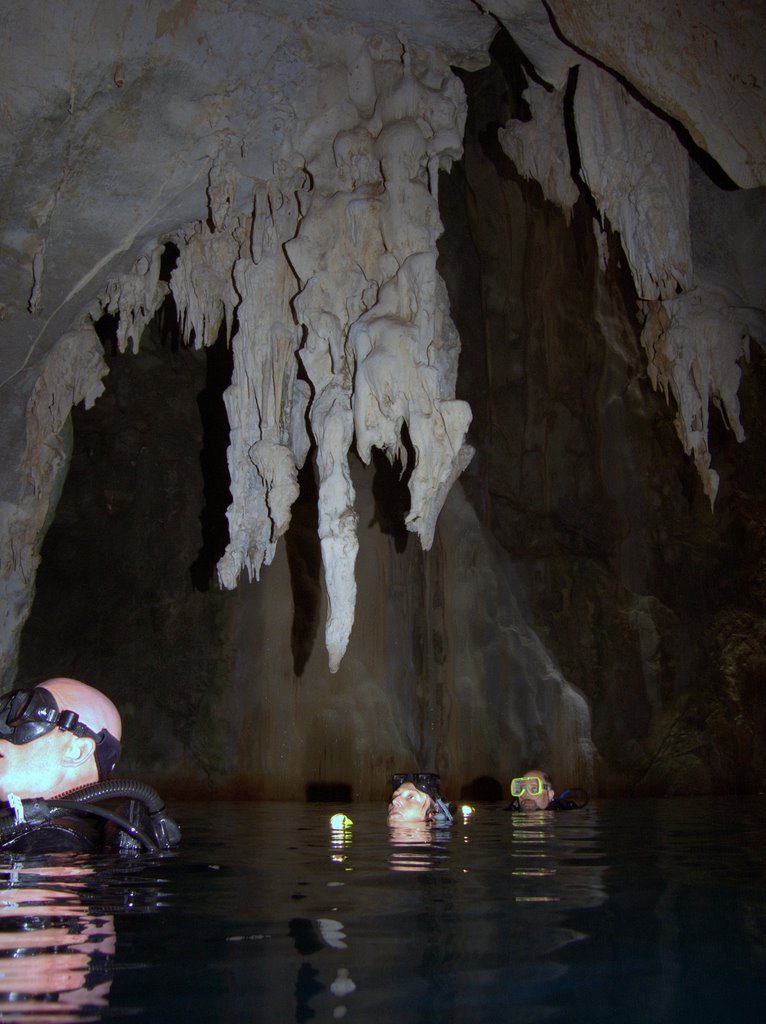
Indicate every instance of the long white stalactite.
{"type": "Point", "coordinates": [379, 349]}
{"type": "Point", "coordinates": [334, 273]}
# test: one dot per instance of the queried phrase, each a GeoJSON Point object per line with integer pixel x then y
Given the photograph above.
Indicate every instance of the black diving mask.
{"type": "Point", "coordinates": [426, 782]}
{"type": "Point", "coordinates": [26, 715]}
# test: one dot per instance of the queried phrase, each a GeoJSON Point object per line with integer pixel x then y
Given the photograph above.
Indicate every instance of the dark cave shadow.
{"type": "Point", "coordinates": [304, 560]}
{"type": "Point", "coordinates": [390, 491]}
{"type": "Point", "coordinates": [215, 429]}
{"type": "Point", "coordinates": [484, 787]}
{"type": "Point", "coordinates": [215, 471]}
{"type": "Point", "coordinates": [329, 792]}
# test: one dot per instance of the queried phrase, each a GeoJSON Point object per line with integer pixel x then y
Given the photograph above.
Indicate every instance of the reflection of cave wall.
{"type": "Point", "coordinates": [651, 605]}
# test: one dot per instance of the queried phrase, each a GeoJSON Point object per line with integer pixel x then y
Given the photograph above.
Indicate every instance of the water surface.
{"type": "Point", "coordinates": [629, 911]}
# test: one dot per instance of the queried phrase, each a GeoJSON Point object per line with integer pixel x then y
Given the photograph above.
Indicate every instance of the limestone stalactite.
{"type": "Point", "coordinates": [635, 167]}
{"type": "Point", "coordinates": [265, 402]}
{"type": "Point", "coordinates": [334, 272]}
{"type": "Point", "coordinates": [73, 372]}
{"type": "Point", "coordinates": [539, 147]}
{"type": "Point", "coordinates": [380, 351]}
{"type": "Point", "coordinates": [291, 153]}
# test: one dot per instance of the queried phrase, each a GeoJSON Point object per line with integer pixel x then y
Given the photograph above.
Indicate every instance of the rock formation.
{"type": "Point", "coordinates": [328, 264]}
{"type": "Point", "coordinates": [273, 173]}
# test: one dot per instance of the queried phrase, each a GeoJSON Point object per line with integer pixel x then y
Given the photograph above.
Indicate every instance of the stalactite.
{"type": "Point", "coordinates": [637, 172]}
{"type": "Point", "coordinates": [334, 271]}
{"type": "Point", "coordinates": [379, 350]}
{"type": "Point", "coordinates": [202, 284]}
{"type": "Point", "coordinates": [695, 342]}
{"type": "Point", "coordinates": [71, 373]}
{"type": "Point", "coordinates": [265, 401]}
{"type": "Point", "coordinates": [539, 147]}
{"type": "Point", "coordinates": [135, 298]}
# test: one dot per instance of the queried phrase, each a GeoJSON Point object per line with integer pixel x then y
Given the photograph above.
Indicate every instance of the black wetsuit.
{"type": "Point", "coordinates": [565, 802]}
{"type": "Point", "coordinates": [108, 817]}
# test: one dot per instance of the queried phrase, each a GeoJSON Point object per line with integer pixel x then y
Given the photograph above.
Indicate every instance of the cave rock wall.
{"type": "Point", "coordinates": [293, 162]}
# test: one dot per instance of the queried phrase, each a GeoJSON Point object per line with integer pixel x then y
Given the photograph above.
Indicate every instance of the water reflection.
{"type": "Point", "coordinates": [418, 847]}
{"type": "Point", "coordinates": [55, 954]}
{"type": "Point", "coordinates": [556, 861]}
{"type": "Point", "coordinates": [489, 917]}
{"type": "Point", "coordinates": [58, 935]}
{"type": "Point", "coordinates": [615, 912]}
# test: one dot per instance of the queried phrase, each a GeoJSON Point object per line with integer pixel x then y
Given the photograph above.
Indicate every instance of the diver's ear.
{"type": "Point", "coordinates": [78, 751]}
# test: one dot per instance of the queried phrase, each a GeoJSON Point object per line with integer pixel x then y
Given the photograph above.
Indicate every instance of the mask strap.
{"type": "Point", "coordinates": [107, 753]}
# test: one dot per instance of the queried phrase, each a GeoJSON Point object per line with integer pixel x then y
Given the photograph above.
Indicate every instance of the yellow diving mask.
{"type": "Point", "coordinates": [530, 784]}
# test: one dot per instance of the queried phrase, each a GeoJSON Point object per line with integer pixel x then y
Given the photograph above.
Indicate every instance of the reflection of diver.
{"type": "Point", "coordinates": [417, 797]}
{"type": "Point", "coordinates": [54, 774]}
{"type": "Point", "coordinates": [534, 792]}
{"type": "Point", "coordinates": [417, 817]}
{"type": "Point", "coordinates": [57, 934]}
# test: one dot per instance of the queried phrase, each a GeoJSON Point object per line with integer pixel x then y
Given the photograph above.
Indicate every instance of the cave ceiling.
{"type": "Point", "coordinates": [291, 154]}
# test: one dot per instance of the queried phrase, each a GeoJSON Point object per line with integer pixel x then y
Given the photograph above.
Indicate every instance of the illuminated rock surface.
{"type": "Point", "coordinates": [273, 184]}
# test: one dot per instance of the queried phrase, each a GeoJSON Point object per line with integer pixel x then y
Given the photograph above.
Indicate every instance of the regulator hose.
{"type": "Point", "coordinates": [38, 811]}
{"type": "Point", "coordinates": [116, 819]}
{"type": "Point", "coordinates": [106, 789]}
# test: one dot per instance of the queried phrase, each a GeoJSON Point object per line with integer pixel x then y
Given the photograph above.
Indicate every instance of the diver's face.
{"type": "Point", "coordinates": [32, 769]}
{"type": "Point", "coordinates": [540, 801]}
{"type": "Point", "coordinates": [410, 804]}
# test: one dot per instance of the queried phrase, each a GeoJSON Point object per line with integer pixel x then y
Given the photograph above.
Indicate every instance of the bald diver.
{"type": "Point", "coordinates": [59, 745]}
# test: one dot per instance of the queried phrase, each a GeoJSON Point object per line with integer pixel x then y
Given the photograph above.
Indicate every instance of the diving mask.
{"type": "Point", "coordinates": [26, 715]}
{"type": "Point", "coordinates": [426, 782]}
{"type": "Point", "coordinates": [530, 784]}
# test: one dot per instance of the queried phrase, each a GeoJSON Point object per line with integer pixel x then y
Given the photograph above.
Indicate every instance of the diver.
{"type": "Point", "coordinates": [533, 791]}
{"type": "Point", "coordinates": [417, 798]}
{"type": "Point", "coordinates": [59, 744]}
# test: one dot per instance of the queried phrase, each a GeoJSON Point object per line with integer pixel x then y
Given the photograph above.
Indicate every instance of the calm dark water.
{"type": "Point", "coordinates": [624, 911]}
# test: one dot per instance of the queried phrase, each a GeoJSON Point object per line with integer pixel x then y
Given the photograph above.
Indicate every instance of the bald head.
{"type": "Point", "coordinates": [44, 756]}
{"type": "Point", "coordinates": [94, 708]}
